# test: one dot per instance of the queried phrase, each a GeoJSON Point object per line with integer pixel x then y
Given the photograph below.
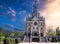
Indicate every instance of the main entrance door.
{"type": "Point", "coordinates": [35, 39]}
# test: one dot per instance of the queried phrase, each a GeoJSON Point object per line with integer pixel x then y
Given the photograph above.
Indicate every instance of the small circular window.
{"type": "Point", "coordinates": [35, 23]}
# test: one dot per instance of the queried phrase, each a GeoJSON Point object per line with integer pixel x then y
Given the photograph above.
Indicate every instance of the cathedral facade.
{"type": "Point", "coordinates": [35, 27]}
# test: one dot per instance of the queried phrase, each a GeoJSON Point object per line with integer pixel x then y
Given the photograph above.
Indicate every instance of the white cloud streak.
{"type": "Point", "coordinates": [9, 25]}
{"type": "Point", "coordinates": [13, 13]}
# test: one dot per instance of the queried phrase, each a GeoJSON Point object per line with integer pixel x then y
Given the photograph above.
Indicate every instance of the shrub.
{"type": "Point", "coordinates": [6, 41]}
{"type": "Point", "coordinates": [1, 38]}
{"type": "Point", "coordinates": [17, 41]}
{"type": "Point", "coordinates": [9, 41]}
{"type": "Point", "coordinates": [54, 40]}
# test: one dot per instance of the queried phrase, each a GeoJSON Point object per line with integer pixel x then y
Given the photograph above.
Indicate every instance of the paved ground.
{"type": "Point", "coordinates": [38, 43]}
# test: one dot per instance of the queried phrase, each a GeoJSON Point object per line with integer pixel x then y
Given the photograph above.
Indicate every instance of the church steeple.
{"type": "Point", "coordinates": [35, 27]}
{"type": "Point", "coordinates": [35, 8]}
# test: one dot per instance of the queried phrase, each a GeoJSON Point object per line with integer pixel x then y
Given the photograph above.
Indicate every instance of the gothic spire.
{"type": "Point", "coordinates": [35, 8]}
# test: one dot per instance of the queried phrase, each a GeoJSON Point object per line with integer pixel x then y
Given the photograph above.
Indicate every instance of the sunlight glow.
{"type": "Point", "coordinates": [51, 12]}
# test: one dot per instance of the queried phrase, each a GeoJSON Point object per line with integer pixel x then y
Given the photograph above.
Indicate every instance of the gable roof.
{"type": "Point", "coordinates": [41, 18]}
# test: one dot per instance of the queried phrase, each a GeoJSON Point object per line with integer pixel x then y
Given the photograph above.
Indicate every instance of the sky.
{"type": "Point", "coordinates": [51, 12]}
{"type": "Point", "coordinates": [14, 12]}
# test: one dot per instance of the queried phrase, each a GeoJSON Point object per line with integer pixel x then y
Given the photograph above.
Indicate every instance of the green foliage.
{"type": "Point", "coordinates": [17, 41]}
{"type": "Point", "coordinates": [19, 34]}
{"type": "Point", "coordinates": [11, 34]}
{"type": "Point", "coordinates": [1, 35]}
{"type": "Point", "coordinates": [1, 38]}
{"type": "Point", "coordinates": [9, 41]}
{"type": "Point", "coordinates": [0, 30]}
{"type": "Point", "coordinates": [53, 39]}
{"type": "Point", "coordinates": [57, 31]}
{"type": "Point", "coordinates": [6, 33]}
{"type": "Point", "coordinates": [51, 33]}
{"type": "Point", "coordinates": [12, 41]}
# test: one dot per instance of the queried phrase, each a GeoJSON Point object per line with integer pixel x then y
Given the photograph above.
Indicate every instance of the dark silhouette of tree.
{"type": "Point", "coordinates": [17, 41]}
{"type": "Point", "coordinates": [53, 39]}
{"type": "Point", "coordinates": [0, 30]}
{"type": "Point", "coordinates": [6, 41]}
{"type": "Point", "coordinates": [9, 41]}
{"type": "Point", "coordinates": [57, 31]}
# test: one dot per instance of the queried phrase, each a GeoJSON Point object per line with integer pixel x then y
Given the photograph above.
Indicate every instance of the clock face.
{"type": "Point", "coordinates": [35, 23]}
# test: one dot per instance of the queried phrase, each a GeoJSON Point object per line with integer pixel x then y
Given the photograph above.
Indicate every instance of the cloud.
{"type": "Point", "coordinates": [11, 14]}
{"type": "Point", "coordinates": [11, 11]}
{"type": "Point", "coordinates": [7, 10]}
{"type": "Point", "coordinates": [2, 10]}
{"type": "Point", "coordinates": [22, 12]}
{"type": "Point", "coordinates": [9, 25]}
{"type": "Point", "coordinates": [51, 12]}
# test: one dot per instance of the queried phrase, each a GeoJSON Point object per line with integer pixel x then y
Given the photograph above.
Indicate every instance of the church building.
{"type": "Point", "coordinates": [35, 27]}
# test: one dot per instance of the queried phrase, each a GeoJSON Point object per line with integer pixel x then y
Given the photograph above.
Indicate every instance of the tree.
{"type": "Point", "coordinates": [57, 31]}
{"type": "Point", "coordinates": [1, 35]}
{"type": "Point", "coordinates": [12, 40]}
{"type": "Point", "coordinates": [51, 33]}
{"type": "Point", "coordinates": [9, 41]}
{"type": "Point", "coordinates": [12, 33]}
{"type": "Point", "coordinates": [53, 39]}
{"type": "Point", "coordinates": [0, 30]}
{"type": "Point", "coordinates": [19, 34]}
{"type": "Point", "coordinates": [17, 41]}
{"type": "Point", "coordinates": [6, 41]}
{"type": "Point", "coordinates": [1, 38]}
